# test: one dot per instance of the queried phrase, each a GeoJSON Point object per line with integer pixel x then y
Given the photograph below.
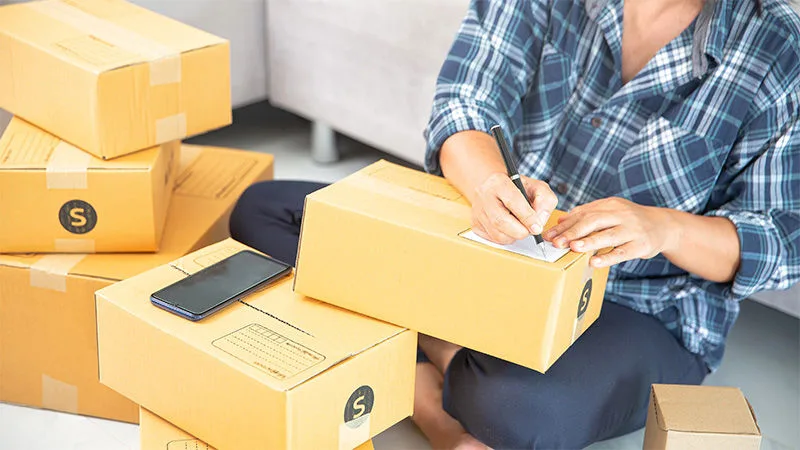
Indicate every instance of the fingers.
{"type": "Point", "coordinates": [513, 200]}
{"type": "Point", "coordinates": [620, 254]}
{"type": "Point", "coordinates": [497, 219]}
{"type": "Point", "coordinates": [610, 237]}
{"type": "Point", "coordinates": [544, 202]}
{"type": "Point", "coordinates": [580, 226]}
{"type": "Point", "coordinates": [495, 236]}
{"type": "Point", "coordinates": [502, 209]}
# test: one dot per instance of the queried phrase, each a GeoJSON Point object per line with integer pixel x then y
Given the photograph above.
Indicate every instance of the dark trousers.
{"type": "Point", "coordinates": [597, 390]}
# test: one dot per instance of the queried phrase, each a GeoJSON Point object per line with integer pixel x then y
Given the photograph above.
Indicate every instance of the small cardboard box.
{"type": "Point", "coordinates": [156, 433]}
{"type": "Point", "coordinates": [48, 331]}
{"type": "Point", "coordinates": [700, 417]}
{"type": "Point", "coordinates": [276, 371]}
{"type": "Point", "coordinates": [110, 77]}
{"type": "Point", "coordinates": [56, 198]}
{"type": "Point", "coordinates": [386, 242]}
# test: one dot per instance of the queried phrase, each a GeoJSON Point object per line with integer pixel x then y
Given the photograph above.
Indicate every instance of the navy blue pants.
{"type": "Point", "coordinates": [597, 390]}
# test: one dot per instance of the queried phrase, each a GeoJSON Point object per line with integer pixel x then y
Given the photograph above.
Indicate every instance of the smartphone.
{"type": "Point", "coordinates": [217, 286]}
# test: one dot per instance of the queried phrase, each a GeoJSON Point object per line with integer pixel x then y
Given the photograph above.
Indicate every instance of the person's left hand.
{"type": "Point", "coordinates": [635, 231]}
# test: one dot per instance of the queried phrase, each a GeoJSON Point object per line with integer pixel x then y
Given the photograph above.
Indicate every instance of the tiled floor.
{"type": "Point", "coordinates": [763, 355]}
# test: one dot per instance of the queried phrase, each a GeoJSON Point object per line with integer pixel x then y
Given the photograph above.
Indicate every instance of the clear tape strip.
{"type": "Point", "coordinates": [164, 62]}
{"type": "Point", "coordinates": [50, 271]}
{"type": "Point", "coordinates": [68, 168]}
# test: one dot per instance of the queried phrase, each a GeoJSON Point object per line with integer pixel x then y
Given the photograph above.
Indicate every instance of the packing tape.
{"type": "Point", "coordinates": [172, 128]}
{"type": "Point", "coordinates": [578, 327]}
{"type": "Point", "coordinates": [67, 168]}
{"type": "Point", "coordinates": [164, 62]}
{"type": "Point", "coordinates": [50, 271]}
{"type": "Point", "coordinates": [354, 433]}
{"type": "Point", "coordinates": [59, 396]}
{"type": "Point", "coordinates": [74, 245]}
{"type": "Point", "coordinates": [411, 196]}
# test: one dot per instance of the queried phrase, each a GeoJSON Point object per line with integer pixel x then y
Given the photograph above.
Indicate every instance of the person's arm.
{"type": "Point", "coordinates": [481, 84]}
{"type": "Point", "coordinates": [487, 72]}
{"type": "Point", "coordinates": [750, 244]}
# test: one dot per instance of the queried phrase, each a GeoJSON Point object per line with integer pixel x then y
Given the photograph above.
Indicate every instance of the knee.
{"type": "Point", "coordinates": [253, 202]}
{"type": "Point", "coordinates": [514, 408]}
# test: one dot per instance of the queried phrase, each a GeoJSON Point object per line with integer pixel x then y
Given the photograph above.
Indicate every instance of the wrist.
{"type": "Point", "coordinates": [674, 230]}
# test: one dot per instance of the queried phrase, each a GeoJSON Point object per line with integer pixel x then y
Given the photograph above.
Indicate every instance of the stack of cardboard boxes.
{"type": "Point", "coordinates": [95, 185]}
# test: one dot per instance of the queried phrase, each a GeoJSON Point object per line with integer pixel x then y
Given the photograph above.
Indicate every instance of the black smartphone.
{"type": "Point", "coordinates": [211, 289]}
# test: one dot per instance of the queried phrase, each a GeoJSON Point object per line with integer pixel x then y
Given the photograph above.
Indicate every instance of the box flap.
{"type": "Point", "coordinates": [392, 193]}
{"type": "Point", "coordinates": [101, 35]}
{"type": "Point", "coordinates": [275, 336]}
{"type": "Point", "coordinates": [24, 146]}
{"type": "Point", "coordinates": [703, 409]}
{"type": "Point", "coordinates": [191, 213]}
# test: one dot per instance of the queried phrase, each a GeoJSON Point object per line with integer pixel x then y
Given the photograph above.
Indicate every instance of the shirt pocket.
{"type": "Point", "coordinates": [670, 166]}
{"type": "Point", "coordinates": [549, 94]}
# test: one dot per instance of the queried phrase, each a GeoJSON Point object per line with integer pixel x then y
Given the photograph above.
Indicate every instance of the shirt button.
{"type": "Point", "coordinates": [597, 122]}
{"type": "Point", "coordinates": [562, 188]}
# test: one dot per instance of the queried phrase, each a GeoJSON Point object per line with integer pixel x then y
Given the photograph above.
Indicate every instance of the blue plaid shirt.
{"type": "Point", "coordinates": [709, 126]}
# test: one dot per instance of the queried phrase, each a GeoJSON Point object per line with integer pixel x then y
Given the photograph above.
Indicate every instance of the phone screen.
{"type": "Point", "coordinates": [217, 284]}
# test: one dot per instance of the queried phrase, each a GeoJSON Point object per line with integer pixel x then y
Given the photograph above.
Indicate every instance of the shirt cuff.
{"type": "Point", "coordinates": [454, 117]}
{"type": "Point", "coordinates": [760, 252]}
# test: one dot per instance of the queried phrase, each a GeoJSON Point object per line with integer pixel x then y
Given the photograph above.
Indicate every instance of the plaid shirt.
{"type": "Point", "coordinates": [709, 126]}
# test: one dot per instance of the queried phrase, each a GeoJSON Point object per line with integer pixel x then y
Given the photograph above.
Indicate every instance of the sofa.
{"type": "Point", "coordinates": [363, 68]}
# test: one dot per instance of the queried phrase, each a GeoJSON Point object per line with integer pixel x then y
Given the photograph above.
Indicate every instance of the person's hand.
{"type": "Point", "coordinates": [635, 231]}
{"type": "Point", "coordinates": [501, 214]}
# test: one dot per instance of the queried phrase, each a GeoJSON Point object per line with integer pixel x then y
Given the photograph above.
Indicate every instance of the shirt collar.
{"type": "Point", "coordinates": [710, 34]}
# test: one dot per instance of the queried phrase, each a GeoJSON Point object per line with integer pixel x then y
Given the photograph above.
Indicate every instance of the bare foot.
{"type": "Point", "coordinates": [442, 431]}
{"type": "Point", "coordinates": [467, 442]}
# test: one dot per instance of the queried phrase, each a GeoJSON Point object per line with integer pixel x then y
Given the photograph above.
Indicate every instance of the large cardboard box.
{"type": "Point", "coordinates": [387, 242]}
{"type": "Point", "coordinates": [48, 332]}
{"type": "Point", "coordinates": [700, 417]}
{"type": "Point", "coordinates": [111, 77]}
{"type": "Point", "coordinates": [156, 433]}
{"type": "Point", "coordinates": [276, 371]}
{"type": "Point", "coordinates": [57, 198]}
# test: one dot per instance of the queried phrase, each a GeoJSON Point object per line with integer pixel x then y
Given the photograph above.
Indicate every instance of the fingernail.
{"type": "Point", "coordinates": [578, 244]}
{"type": "Point", "coordinates": [543, 216]}
{"type": "Point", "coordinates": [536, 229]}
{"type": "Point", "coordinates": [560, 243]}
{"type": "Point", "coordinates": [549, 234]}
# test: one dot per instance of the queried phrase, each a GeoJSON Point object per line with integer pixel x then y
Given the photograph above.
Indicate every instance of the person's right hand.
{"type": "Point", "coordinates": [501, 214]}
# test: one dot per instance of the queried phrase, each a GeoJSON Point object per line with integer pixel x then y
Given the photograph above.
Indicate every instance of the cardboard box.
{"type": "Point", "coordinates": [700, 417]}
{"type": "Point", "coordinates": [134, 79]}
{"type": "Point", "coordinates": [156, 433]}
{"type": "Point", "coordinates": [48, 332]}
{"type": "Point", "coordinates": [276, 371]}
{"type": "Point", "coordinates": [386, 242]}
{"type": "Point", "coordinates": [58, 199]}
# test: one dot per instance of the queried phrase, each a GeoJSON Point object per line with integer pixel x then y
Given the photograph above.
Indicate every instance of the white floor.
{"type": "Point", "coordinates": [763, 356]}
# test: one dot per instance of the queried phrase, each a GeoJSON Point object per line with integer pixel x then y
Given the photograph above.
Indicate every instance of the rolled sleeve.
{"type": "Point", "coordinates": [454, 117]}
{"type": "Point", "coordinates": [769, 251]}
{"type": "Point", "coordinates": [487, 72]}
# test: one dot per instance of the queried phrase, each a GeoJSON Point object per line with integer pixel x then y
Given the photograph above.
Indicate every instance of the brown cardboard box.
{"type": "Point", "coordinates": [48, 332]}
{"type": "Point", "coordinates": [386, 242]}
{"type": "Point", "coordinates": [59, 199]}
{"type": "Point", "coordinates": [700, 417]}
{"type": "Point", "coordinates": [275, 371]}
{"type": "Point", "coordinates": [110, 77]}
{"type": "Point", "coordinates": [156, 433]}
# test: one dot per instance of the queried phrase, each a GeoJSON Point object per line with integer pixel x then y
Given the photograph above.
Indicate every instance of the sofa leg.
{"type": "Point", "coordinates": [323, 143]}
